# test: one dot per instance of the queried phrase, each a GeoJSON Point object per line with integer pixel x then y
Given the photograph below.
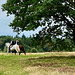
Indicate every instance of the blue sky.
{"type": "Point", "coordinates": [5, 21]}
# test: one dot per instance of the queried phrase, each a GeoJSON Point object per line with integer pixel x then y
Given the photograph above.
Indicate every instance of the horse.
{"type": "Point", "coordinates": [7, 45]}
{"type": "Point", "coordinates": [22, 48]}
{"type": "Point", "coordinates": [14, 47]}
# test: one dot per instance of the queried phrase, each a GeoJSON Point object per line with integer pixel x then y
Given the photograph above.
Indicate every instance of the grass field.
{"type": "Point", "coordinates": [51, 63]}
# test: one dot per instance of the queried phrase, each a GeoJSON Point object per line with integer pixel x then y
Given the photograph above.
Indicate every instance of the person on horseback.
{"type": "Point", "coordinates": [11, 44]}
{"type": "Point", "coordinates": [17, 42]}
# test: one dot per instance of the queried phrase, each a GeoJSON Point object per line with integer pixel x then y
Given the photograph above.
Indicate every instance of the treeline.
{"type": "Point", "coordinates": [30, 44]}
{"type": "Point", "coordinates": [25, 41]}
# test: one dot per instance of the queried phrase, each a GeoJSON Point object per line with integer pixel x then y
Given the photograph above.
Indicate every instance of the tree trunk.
{"type": "Point", "coordinates": [74, 30]}
{"type": "Point", "coordinates": [74, 36]}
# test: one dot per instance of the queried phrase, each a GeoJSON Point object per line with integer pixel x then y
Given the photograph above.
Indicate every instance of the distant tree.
{"type": "Point", "coordinates": [23, 37]}
{"type": "Point", "coordinates": [3, 40]}
{"type": "Point", "coordinates": [16, 37]}
{"type": "Point", "coordinates": [28, 41]}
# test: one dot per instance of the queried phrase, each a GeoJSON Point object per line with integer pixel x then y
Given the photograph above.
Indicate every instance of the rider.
{"type": "Point", "coordinates": [12, 43]}
{"type": "Point", "coordinates": [17, 41]}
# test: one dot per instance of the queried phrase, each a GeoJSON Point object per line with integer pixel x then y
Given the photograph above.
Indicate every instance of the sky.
{"type": "Point", "coordinates": [5, 21]}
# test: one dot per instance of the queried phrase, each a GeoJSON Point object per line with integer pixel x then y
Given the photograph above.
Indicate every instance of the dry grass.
{"type": "Point", "coordinates": [48, 63]}
{"type": "Point", "coordinates": [47, 71]}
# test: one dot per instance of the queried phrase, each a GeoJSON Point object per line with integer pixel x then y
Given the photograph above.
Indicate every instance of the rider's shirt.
{"type": "Point", "coordinates": [12, 42]}
{"type": "Point", "coordinates": [17, 41]}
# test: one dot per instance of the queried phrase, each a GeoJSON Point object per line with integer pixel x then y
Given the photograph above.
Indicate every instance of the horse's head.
{"type": "Point", "coordinates": [7, 44]}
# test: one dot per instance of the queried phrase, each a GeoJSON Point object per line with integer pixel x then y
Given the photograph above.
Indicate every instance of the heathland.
{"type": "Point", "coordinates": [48, 63]}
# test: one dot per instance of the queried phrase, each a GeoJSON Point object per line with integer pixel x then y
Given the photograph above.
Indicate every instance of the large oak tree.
{"type": "Point", "coordinates": [53, 15]}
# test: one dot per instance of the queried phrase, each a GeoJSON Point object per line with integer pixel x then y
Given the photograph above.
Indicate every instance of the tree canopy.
{"type": "Point", "coordinates": [54, 15]}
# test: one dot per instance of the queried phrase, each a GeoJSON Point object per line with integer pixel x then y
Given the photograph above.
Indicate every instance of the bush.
{"type": "Point", "coordinates": [5, 49]}
{"type": "Point", "coordinates": [39, 49]}
{"type": "Point", "coordinates": [34, 50]}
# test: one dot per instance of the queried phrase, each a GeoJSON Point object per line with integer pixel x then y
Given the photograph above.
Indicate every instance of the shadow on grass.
{"type": "Point", "coordinates": [53, 61]}
{"type": "Point", "coordinates": [50, 57]}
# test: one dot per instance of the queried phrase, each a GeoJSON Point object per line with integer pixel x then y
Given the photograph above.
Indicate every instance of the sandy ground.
{"type": "Point", "coordinates": [47, 53]}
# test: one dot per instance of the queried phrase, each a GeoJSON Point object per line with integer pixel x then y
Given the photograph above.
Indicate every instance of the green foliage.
{"type": "Point", "coordinates": [34, 50]}
{"type": "Point", "coordinates": [64, 45]}
{"type": "Point", "coordinates": [3, 40]}
{"type": "Point", "coordinates": [5, 49]}
{"type": "Point", "coordinates": [31, 45]}
{"type": "Point", "coordinates": [40, 49]}
{"type": "Point", "coordinates": [31, 14]}
{"type": "Point", "coordinates": [25, 41]}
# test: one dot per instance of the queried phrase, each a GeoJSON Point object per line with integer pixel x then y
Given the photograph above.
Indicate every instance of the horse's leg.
{"type": "Point", "coordinates": [19, 53]}
{"type": "Point", "coordinates": [11, 52]}
{"type": "Point", "coordinates": [24, 51]}
{"type": "Point", "coordinates": [7, 50]}
{"type": "Point", "coordinates": [15, 52]}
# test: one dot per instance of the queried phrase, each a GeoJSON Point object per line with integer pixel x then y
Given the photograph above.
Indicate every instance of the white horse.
{"type": "Point", "coordinates": [14, 47]}
{"type": "Point", "coordinates": [7, 45]}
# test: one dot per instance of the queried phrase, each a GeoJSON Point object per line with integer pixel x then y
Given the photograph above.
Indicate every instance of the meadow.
{"type": "Point", "coordinates": [49, 63]}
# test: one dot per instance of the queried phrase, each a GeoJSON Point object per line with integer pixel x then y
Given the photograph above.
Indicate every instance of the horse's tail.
{"type": "Point", "coordinates": [24, 51]}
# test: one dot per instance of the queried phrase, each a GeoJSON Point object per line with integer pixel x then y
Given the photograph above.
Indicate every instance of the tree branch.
{"type": "Point", "coordinates": [68, 22]}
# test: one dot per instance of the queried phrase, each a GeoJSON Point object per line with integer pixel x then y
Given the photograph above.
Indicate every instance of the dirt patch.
{"type": "Point", "coordinates": [59, 69]}
{"type": "Point", "coordinates": [3, 53]}
{"type": "Point", "coordinates": [44, 64]}
{"type": "Point", "coordinates": [66, 69]}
